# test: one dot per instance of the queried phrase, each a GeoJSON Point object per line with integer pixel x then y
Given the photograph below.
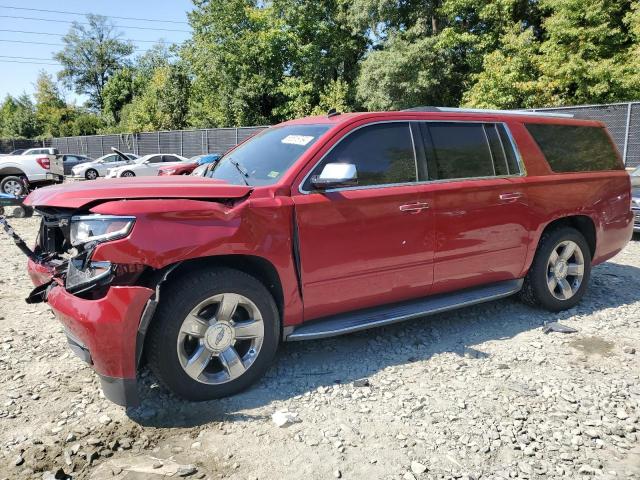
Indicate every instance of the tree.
{"type": "Point", "coordinates": [409, 72]}
{"type": "Point", "coordinates": [585, 51]}
{"type": "Point", "coordinates": [163, 105]}
{"type": "Point", "coordinates": [117, 92]}
{"type": "Point", "coordinates": [18, 117]}
{"type": "Point", "coordinates": [52, 113]}
{"type": "Point", "coordinates": [91, 54]}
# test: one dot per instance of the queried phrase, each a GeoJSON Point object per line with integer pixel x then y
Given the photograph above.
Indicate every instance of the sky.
{"type": "Point", "coordinates": [18, 76]}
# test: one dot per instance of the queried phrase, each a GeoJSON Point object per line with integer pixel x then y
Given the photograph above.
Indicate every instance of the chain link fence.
{"type": "Point", "coordinates": [622, 119]}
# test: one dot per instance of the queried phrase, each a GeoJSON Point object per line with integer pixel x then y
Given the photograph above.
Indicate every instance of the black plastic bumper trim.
{"type": "Point", "coordinates": [121, 391]}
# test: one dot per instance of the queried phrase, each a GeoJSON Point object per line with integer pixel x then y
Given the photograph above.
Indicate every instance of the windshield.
{"type": "Point", "coordinates": [263, 159]}
{"type": "Point", "coordinates": [636, 172]}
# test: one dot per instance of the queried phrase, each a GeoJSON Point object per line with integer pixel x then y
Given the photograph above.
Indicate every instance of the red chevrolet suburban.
{"type": "Point", "coordinates": [323, 226]}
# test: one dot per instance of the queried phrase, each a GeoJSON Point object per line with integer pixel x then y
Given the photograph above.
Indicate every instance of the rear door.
{"type": "Point", "coordinates": [370, 244]}
{"type": "Point", "coordinates": [480, 208]}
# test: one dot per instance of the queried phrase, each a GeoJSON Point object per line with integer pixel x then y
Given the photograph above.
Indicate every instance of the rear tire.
{"type": "Point", "coordinates": [560, 272]}
{"type": "Point", "coordinates": [194, 346]}
{"type": "Point", "coordinates": [13, 185]}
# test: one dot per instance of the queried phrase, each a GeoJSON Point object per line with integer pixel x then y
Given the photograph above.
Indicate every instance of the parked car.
{"type": "Point", "coordinates": [188, 167]}
{"type": "Point", "coordinates": [100, 167]}
{"type": "Point", "coordinates": [635, 207]}
{"type": "Point", "coordinates": [635, 177]}
{"type": "Point", "coordinates": [21, 173]}
{"type": "Point", "coordinates": [72, 160]}
{"type": "Point", "coordinates": [147, 165]}
{"type": "Point", "coordinates": [323, 226]}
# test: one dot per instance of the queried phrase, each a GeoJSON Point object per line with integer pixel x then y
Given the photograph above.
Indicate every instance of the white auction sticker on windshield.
{"type": "Point", "coordinates": [297, 139]}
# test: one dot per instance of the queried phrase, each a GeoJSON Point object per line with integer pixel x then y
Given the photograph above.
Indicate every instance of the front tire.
{"type": "Point", "coordinates": [91, 174]}
{"type": "Point", "coordinates": [560, 272]}
{"type": "Point", "coordinates": [127, 173]}
{"type": "Point", "coordinates": [214, 334]}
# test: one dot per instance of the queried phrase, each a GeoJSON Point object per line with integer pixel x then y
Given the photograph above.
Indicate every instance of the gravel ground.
{"type": "Point", "coordinates": [477, 393]}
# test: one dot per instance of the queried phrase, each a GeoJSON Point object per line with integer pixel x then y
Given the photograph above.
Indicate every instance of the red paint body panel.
{"type": "Point", "coordinates": [356, 248]}
{"type": "Point", "coordinates": [107, 326]}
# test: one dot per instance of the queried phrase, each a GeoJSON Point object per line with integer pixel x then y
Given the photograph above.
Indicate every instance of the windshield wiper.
{"type": "Point", "coordinates": [243, 171]}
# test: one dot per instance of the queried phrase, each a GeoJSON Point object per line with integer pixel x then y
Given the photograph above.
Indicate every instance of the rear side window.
{"type": "Point", "coordinates": [571, 148]}
{"type": "Point", "coordinates": [459, 150]}
{"type": "Point", "coordinates": [382, 153]}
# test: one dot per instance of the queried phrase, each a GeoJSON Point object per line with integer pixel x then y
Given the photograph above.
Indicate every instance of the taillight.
{"type": "Point", "coordinates": [44, 162]}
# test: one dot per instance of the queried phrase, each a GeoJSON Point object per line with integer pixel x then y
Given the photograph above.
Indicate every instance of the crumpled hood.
{"type": "Point", "coordinates": [79, 194]}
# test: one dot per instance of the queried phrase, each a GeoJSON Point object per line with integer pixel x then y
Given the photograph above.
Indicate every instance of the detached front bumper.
{"type": "Point", "coordinates": [102, 332]}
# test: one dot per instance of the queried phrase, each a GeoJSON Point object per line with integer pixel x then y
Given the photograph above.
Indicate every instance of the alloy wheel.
{"type": "Point", "coordinates": [220, 338]}
{"type": "Point", "coordinates": [565, 270]}
{"type": "Point", "coordinates": [91, 175]}
{"type": "Point", "coordinates": [13, 187]}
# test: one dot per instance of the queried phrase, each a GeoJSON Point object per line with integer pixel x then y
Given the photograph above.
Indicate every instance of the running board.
{"type": "Point", "coordinates": [398, 312]}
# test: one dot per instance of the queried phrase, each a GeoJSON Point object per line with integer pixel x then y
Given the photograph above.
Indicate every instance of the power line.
{"type": "Point", "coordinates": [27, 58]}
{"type": "Point", "coordinates": [43, 43]}
{"type": "Point", "coordinates": [65, 12]}
{"type": "Point", "coordinates": [87, 23]}
{"type": "Point", "coordinates": [63, 34]}
{"type": "Point", "coordinates": [31, 63]}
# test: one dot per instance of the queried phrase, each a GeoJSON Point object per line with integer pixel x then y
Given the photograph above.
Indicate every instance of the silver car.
{"type": "Point", "coordinates": [99, 167]}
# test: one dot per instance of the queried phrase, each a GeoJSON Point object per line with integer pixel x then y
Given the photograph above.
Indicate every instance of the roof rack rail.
{"type": "Point", "coordinates": [484, 110]}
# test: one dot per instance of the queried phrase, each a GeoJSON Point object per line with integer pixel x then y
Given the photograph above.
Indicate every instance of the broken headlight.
{"type": "Point", "coordinates": [99, 228]}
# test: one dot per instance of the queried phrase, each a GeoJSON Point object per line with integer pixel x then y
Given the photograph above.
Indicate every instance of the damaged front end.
{"type": "Point", "coordinates": [65, 244]}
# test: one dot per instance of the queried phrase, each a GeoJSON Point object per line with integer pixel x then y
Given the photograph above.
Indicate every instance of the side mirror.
{"type": "Point", "coordinates": [336, 175]}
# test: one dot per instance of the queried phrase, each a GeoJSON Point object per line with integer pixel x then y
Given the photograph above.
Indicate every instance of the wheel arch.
{"type": "Point", "coordinates": [583, 223]}
{"type": "Point", "coordinates": [258, 267]}
{"type": "Point", "coordinates": [11, 171]}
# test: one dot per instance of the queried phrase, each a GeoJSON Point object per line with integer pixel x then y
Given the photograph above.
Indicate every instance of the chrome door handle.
{"type": "Point", "coordinates": [505, 197]}
{"type": "Point", "coordinates": [414, 207]}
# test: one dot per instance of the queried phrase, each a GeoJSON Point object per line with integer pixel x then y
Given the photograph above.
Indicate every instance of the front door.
{"type": "Point", "coordinates": [371, 244]}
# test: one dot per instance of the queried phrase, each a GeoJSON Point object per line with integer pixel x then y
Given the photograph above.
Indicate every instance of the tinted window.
{"type": "Point", "coordinates": [512, 161]}
{"type": "Point", "coordinates": [155, 159]}
{"type": "Point", "coordinates": [264, 158]}
{"type": "Point", "coordinates": [504, 158]}
{"type": "Point", "coordinates": [571, 148]}
{"type": "Point", "coordinates": [459, 150]}
{"type": "Point", "coordinates": [382, 154]}
{"type": "Point", "coordinates": [170, 158]}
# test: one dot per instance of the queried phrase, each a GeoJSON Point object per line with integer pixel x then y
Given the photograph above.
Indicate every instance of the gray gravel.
{"type": "Point", "coordinates": [477, 393]}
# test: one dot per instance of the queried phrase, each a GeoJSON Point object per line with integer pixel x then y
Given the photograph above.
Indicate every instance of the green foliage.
{"type": "Point", "coordinates": [586, 52]}
{"type": "Point", "coordinates": [18, 117]}
{"type": "Point", "coordinates": [91, 54]}
{"type": "Point", "coordinates": [163, 105]}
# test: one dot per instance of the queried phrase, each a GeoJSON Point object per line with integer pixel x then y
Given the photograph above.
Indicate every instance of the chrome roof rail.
{"type": "Point", "coordinates": [483, 110]}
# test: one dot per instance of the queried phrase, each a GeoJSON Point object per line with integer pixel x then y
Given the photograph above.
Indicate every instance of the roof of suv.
{"type": "Point", "coordinates": [445, 113]}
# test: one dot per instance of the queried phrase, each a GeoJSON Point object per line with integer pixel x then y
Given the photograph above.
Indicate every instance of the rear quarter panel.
{"type": "Point", "coordinates": [603, 196]}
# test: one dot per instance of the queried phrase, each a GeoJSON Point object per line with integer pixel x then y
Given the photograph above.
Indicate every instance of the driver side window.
{"type": "Point", "coordinates": [382, 153]}
{"type": "Point", "coordinates": [155, 159]}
